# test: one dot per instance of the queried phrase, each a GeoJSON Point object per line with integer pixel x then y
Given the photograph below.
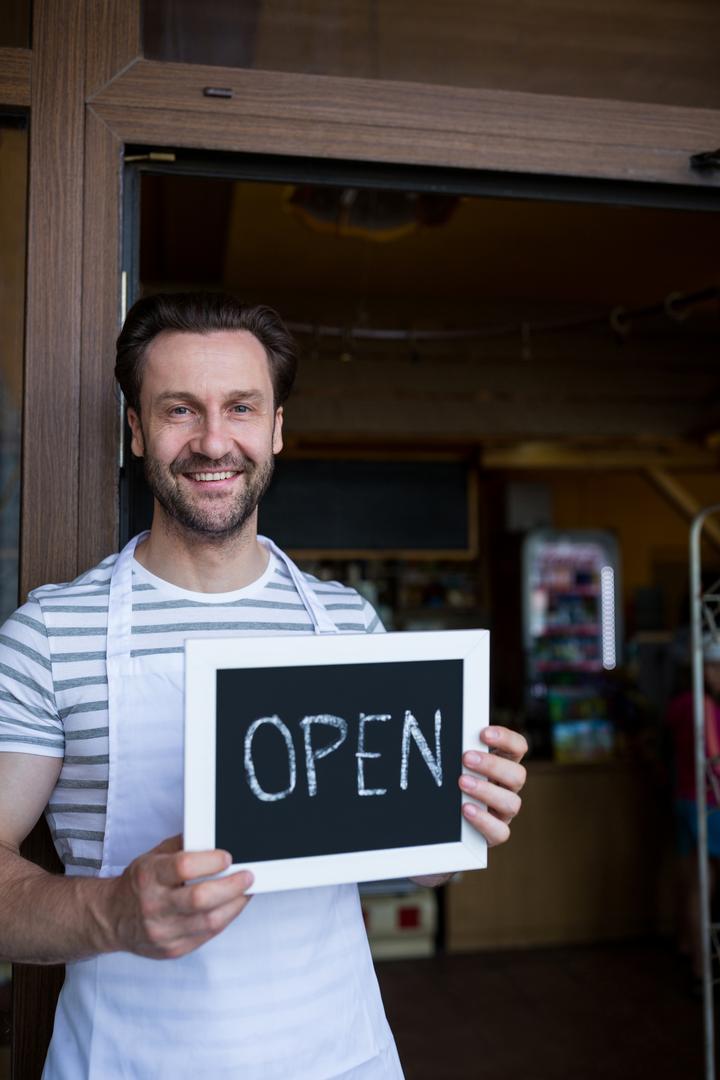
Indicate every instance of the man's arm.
{"type": "Point", "coordinates": [149, 910]}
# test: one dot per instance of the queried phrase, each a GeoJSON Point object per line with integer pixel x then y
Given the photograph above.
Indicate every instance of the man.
{"type": "Point", "coordinates": [91, 725]}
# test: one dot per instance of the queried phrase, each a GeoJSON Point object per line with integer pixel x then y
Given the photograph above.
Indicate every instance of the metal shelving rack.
{"type": "Point", "coordinates": [704, 621]}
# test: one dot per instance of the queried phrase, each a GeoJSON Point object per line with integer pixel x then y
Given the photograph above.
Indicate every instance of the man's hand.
{"type": "Point", "coordinates": [151, 911]}
{"type": "Point", "coordinates": [496, 780]}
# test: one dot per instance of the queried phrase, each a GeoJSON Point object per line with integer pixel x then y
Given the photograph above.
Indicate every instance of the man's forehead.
{"type": "Point", "coordinates": [221, 362]}
{"type": "Point", "coordinates": [170, 344]}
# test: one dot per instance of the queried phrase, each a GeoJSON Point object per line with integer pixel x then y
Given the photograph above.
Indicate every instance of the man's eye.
{"type": "Point", "coordinates": [241, 409]}
{"type": "Point", "coordinates": [179, 410]}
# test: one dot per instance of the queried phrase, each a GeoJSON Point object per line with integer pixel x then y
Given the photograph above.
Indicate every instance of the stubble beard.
{"type": "Point", "coordinates": [202, 520]}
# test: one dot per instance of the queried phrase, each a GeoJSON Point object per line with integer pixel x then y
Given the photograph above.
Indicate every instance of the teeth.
{"type": "Point", "coordinates": [213, 475]}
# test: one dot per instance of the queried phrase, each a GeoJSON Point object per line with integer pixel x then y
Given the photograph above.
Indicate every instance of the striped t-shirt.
{"type": "Point", "coordinates": [53, 673]}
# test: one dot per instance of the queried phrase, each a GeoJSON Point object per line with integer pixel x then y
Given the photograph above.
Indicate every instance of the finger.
{"type": "Point", "coordinates": [499, 801]}
{"type": "Point", "coordinates": [500, 770]}
{"type": "Point", "coordinates": [492, 828]}
{"type": "Point", "coordinates": [184, 866]}
{"type": "Point", "coordinates": [206, 895]}
{"type": "Point", "coordinates": [173, 843]}
{"type": "Point", "coordinates": [503, 741]}
{"type": "Point", "coordinates": [207, 924]}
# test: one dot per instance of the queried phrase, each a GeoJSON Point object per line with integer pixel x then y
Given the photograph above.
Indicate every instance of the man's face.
{"type": "Point", "coordinates": [208, 429]}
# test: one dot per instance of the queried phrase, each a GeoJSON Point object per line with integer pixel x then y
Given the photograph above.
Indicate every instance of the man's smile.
{"type": "Point", "coordinates": [211, 477]}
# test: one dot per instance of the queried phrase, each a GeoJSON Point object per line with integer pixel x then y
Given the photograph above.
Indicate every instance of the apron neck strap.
{"type": "Point", "coordinates": [120, 600]}
{"type": "Point", "coordinates": [322, 623]}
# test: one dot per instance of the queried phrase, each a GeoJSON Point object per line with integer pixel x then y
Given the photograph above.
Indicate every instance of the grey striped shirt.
{"type": "Point", "coordinates": [53, 675]}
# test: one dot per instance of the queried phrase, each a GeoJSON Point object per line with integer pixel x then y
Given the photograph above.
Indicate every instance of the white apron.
{"type": "Point", "coordinates": [286, 992]}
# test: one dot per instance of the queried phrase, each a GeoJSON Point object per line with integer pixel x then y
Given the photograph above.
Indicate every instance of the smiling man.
{"type": "Point", "coordinates": [91, 684]}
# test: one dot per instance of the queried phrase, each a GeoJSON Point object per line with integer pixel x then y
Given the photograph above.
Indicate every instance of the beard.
{"type": "Point", "coordinates": [212, 518]}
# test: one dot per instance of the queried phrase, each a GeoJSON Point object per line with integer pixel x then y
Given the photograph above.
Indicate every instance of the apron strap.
{"type": "Point", "coordinates": [119, 635]}
{"type": "Point", "coordinates": [119, 639]}
{"type": "Point", "coordinates": [321, 621]}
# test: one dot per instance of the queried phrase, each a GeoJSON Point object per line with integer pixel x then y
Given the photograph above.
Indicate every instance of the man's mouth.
{"type": "Point", "coordinates": [211, 477]}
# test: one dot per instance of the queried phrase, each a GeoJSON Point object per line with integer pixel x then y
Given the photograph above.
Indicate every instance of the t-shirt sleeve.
{"type": "Point", "coordinates": [29, 720]}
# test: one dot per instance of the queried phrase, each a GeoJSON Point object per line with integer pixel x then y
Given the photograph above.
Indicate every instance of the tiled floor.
{"type": "Point", "coordinates": [621, 1011]}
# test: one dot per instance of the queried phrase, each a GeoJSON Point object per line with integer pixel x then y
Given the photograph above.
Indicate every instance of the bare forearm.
{"type": "Point", "coordinates": [49, 918]}
{"type": "Point", "coordinates": [431, 881]}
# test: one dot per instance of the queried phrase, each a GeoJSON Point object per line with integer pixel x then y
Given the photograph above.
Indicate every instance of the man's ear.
{"type": "Point", "coordinates": [277, 444]}
{"type": "Point", "coordinates": [137, 443]}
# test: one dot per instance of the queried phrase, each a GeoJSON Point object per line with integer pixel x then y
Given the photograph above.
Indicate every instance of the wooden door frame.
{"type": "Point", "coordinates": [91, 92]}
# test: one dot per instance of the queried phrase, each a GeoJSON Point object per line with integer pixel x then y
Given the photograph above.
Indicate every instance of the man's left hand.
{"type": "Point", "coordinates": [495, 779]}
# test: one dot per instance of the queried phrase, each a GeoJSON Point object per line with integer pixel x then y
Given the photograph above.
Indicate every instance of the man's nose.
{"type": "Point", "coordinates": [212, 439]}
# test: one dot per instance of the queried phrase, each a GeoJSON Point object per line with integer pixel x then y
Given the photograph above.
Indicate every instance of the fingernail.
{"type": "Point", "coordinates": [492, 733]}
{"type": "Point", "coordinates": [473, 759]}
{"type": "Point", "coordinates": [466, 783]}
{"type": "Point", "coordinates": [470, 810]}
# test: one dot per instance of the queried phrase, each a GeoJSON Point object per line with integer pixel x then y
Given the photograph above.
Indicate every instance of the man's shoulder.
{"type": "Point", "coordinates": [92, 582]}
{"type": "Point", "coordinates": [348, 609]}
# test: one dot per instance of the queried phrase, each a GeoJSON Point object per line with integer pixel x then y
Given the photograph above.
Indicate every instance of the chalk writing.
{"type": "Point", "coordinates": [411, 729]}
{"type": "Point", "coordinates": [362, 754]}
{"type": "Point", "coordinates": [311, 756]}
{"type": "Point", "coordinates": [411, 733]}
{"type": "Point", "coordinates": [260, 793]}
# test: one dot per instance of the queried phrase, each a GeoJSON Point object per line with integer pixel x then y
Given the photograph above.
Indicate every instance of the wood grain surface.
{"type": "Point", "coordinates": [54, 280]}
{"type": "Point", "coordinates": [99, 423]}
{"type": "Point", "coordinates": [113, 41]}
{"type": "Point", "coordinates": [363, 119]}
{"type": "Point", "coordinates": [15, 67]}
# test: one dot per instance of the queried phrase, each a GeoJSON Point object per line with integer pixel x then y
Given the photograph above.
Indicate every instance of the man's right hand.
{"type": "Point", "coordinates": [158, 908]}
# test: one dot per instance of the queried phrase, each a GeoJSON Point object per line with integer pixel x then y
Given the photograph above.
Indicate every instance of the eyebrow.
{"type": "Point", "coordinates": [186, 395]}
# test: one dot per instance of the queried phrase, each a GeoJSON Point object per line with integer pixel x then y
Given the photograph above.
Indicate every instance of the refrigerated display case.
{"type": "Point", "coordinates": [571, 639]}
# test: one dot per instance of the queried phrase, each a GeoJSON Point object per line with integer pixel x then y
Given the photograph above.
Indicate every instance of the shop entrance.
{"type": "Point", "coordinates": [544, 354]}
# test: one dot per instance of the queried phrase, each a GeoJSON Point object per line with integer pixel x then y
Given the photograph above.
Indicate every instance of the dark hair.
{"type": "Point", "coordinates": [201, 313]}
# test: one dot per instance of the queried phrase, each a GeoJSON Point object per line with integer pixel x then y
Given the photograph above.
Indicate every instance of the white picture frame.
{"type": "Point", "coordinates": [205, 656]}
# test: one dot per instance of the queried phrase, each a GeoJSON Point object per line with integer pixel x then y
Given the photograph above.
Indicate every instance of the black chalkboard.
{"type": "Point", "coordinates": [421, 807]}
{"type": "Point", "coordinates": [341, 505]}
{"type": "Point", "coordinates": [347, 505]}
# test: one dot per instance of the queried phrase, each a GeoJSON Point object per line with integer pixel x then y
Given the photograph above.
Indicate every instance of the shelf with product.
{"type": "Point", "coordinates": [414, 594]}
{"type": "Point", "coordinates": [571, 637]}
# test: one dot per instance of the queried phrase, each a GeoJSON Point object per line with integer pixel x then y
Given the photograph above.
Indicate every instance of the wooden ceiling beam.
{"type": "Point", "coordinates": [498, 454]}
{"type": "Point", "coordinates": [682, 500]}
{"type": "Point", "coordinates": [563, 454]}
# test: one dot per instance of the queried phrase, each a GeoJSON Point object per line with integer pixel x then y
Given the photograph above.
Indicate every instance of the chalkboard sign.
{"type": "Point", "coordinates": [327, 759]}
{"type": "Point", "coordinates": [325, 507]}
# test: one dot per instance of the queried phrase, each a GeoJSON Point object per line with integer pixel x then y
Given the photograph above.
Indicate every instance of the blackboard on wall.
{"type": "Point", "coordinates": [331, 758]}
{"type": "Point", "coordinates": [334, 507]}
{"type": "Point", "coordinates": [319, 507]}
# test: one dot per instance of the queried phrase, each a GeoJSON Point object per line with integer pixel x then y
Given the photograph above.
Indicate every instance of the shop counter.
{"type": "Point", "coordinates": [587, 861]}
